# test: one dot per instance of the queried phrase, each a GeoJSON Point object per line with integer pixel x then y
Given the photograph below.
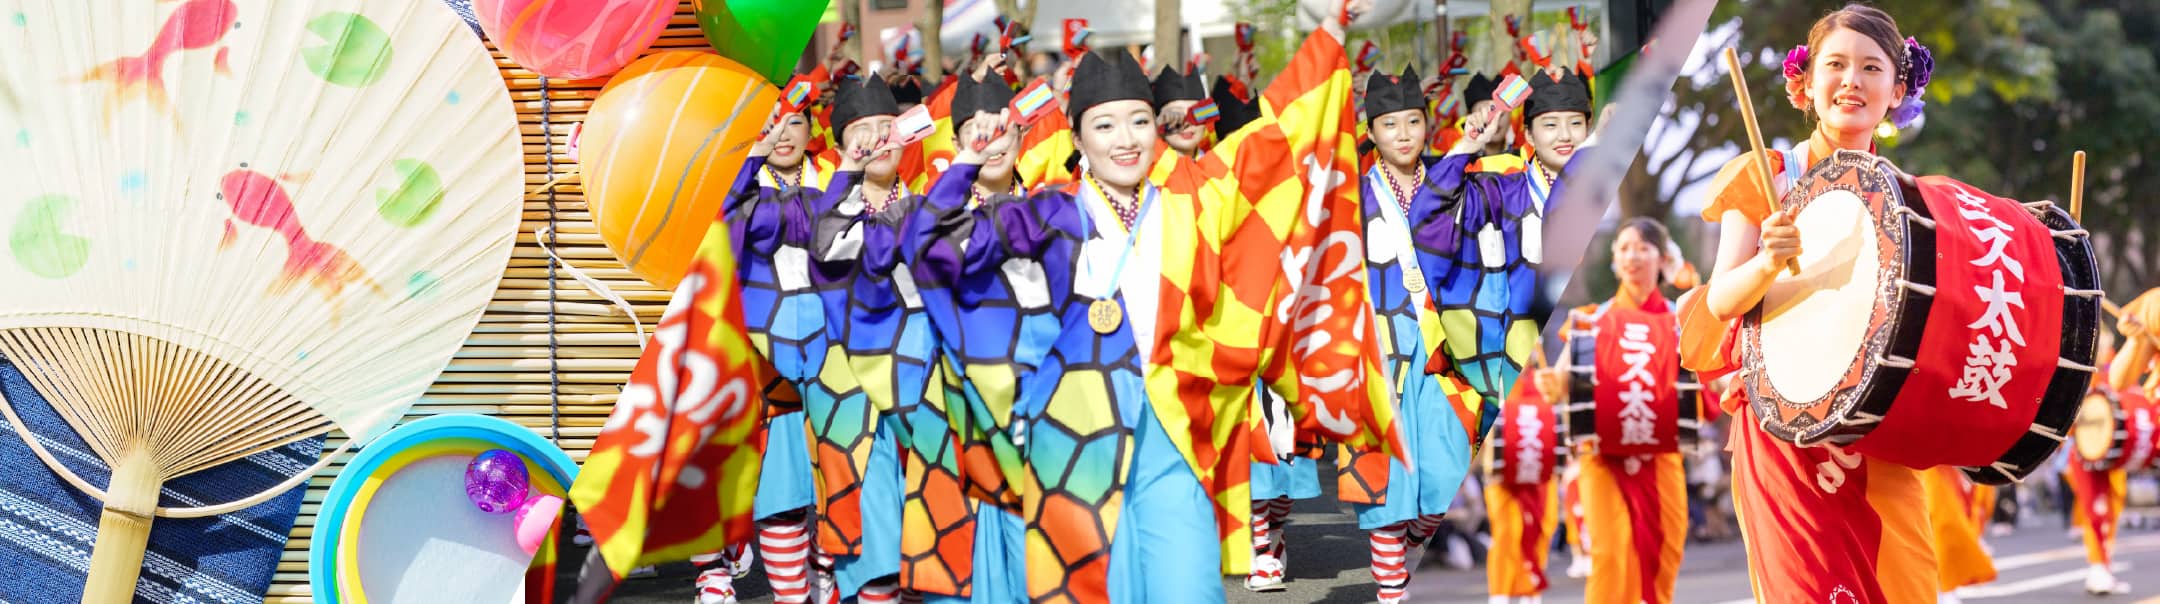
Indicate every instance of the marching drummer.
{"type": "Point", "coordinates": [1521, 500]}
{"type": "Point", "coordinates": [1820, 522]}
{"type": "Point", "coordinates": [1633, 488]}
{"type": "Point", "coordinates": [2098, 492]}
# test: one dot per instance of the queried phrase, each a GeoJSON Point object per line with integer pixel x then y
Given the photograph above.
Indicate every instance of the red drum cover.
{"type": "Point", "coordinates": [1638, 370]}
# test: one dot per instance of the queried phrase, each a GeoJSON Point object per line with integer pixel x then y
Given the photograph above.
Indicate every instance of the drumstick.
{"type": "Point", "coordinates": [2077, 187]}
{"type": "Point", "coordinates": [1754, 136]}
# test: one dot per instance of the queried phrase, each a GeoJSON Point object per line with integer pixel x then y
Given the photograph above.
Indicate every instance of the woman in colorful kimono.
{"type": "Point", "coordinates": [1820, 523]}
{"type": "Point", "coordinates": [1414, 236]}
{"type": "Point", "coordinates": [768, 211]}
{"type": "Point", "coordinates": [1634, 504]}
{"type": "Point", "coordinates": [1484, 289]}
{"type": "Point", "coordinates": [1175, 95]}
{"type": "Point", "coordinates": [1114, 322]}
{"type": "Point", "coordinates": [875, 343]}
{"type": "Point", "coordinates": [962, 537]}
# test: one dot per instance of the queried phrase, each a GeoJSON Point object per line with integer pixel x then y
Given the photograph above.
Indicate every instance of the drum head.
{"type": "Point", "coordinates": [1812, 343]}
{"type": "Point", "coordinates": [2094, 432]}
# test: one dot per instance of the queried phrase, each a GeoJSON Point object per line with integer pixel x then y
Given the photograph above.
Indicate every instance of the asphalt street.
{"type": "Point", "coordinates": [2037, 563]}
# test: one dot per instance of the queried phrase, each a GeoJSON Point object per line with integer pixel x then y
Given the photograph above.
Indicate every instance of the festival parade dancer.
{"type": "Point", "coordinates": [1522, 498]}
{"type": "Point", "coordinates": [1136, 446]}
{"type": "Point", "coordinates": [1819, 523]}
{"type": "Point", "coordinates": [1418, 221]}
{"type": "Point", "coordinates": [1634, 490]}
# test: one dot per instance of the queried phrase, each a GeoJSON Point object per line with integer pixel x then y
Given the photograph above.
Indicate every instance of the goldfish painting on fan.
{"type": "Point", "coordinates": [196, 25]}
{"type": "Point", "coordinates": [260, 200]}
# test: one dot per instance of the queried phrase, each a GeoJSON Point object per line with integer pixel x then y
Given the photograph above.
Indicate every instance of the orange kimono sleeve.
{"type": "Point", "coordinates": [1959, 559]}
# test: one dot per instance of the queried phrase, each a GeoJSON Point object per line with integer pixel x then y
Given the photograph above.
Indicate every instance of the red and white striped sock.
{"type": "Point", "coordinates": [1388, 568]}
{"type": "Point", "coordinates": [1278, 518]}
{"type": "Point", "coordinates": [881, 591]}
{"type": "Point", "coordinates": [1422, 527]}
{"type": "Point", "coordinates": [1263, 529]}
{"type": "Point", "coordinates": [786, 544]}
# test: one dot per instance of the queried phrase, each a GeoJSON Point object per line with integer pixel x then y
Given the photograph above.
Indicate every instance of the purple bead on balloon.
{"type": "Point", "coordinates": [496, 481]}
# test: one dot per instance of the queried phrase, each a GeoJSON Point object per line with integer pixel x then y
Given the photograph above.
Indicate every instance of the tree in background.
{"type": "Point", "coordinates": [2018, 86]}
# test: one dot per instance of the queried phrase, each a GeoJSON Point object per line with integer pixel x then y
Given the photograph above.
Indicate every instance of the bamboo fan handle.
{"type": "Point", "coordinates": [123, 535]}
{"type": "Point", "coordinates": [7, 408]}
{"type": "Point", "coordinates": [1754, 136]}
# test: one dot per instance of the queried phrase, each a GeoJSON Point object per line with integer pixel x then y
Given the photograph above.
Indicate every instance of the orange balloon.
{"type": "Point", "coordinates": [662, 145]}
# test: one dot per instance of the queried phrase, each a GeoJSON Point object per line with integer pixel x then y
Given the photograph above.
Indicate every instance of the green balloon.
{"type": "Point", "coordinates": [767, 36]}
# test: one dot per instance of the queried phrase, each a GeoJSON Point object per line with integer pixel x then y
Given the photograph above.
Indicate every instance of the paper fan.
{"type": "Point", "coordinates": [235, 223]}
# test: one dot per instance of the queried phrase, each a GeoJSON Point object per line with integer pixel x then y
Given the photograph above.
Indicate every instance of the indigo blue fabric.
{"type": "Point", "coordinates": [47, 528]}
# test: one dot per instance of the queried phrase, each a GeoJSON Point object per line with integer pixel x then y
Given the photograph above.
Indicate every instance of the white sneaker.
{"type": "Point", "coordinates": [2100, 582]}
{"type": "Point", "coordinates": [716, 586]}
{"type": "Point", "coordinates": [828, 589]}
{"type": "Point", "coordinates": [1578, 567]}
{"type": "Point", "coordinates": [1267, 574]}
{"type": "Point", "coordinates": [1458, 555]}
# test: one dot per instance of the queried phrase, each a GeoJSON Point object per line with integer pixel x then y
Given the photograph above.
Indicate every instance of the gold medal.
{"type": "Point", "coordinates": [1413, 279]}
{"type": "Point", "coordinates": [1105, 315]}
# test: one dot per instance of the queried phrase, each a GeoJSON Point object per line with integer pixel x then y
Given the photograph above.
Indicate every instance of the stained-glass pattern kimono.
{"type": "Point", "coordinates": [886, 328]}
{"type": "Point", "coordinates": [1133, 441]}
{"type": "Point", "coordinates": [770, 223]}
{"type": "Point", "coordinates": [1484, 276]}
{"type": "Point", "coordinates": [1417, 252]}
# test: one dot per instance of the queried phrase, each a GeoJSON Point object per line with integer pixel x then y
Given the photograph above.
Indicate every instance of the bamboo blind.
{"type": "Point", "coordinates": [503, 370]}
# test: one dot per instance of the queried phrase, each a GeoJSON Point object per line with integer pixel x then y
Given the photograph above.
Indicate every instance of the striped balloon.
{"type": "Point", "coordinates": [662, 144]}
{"type": "Point", "coordinates": [575, 39]}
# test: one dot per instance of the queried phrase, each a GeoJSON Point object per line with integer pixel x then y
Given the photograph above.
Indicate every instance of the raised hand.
{"type": "Point", "coordinates": [770, 136]}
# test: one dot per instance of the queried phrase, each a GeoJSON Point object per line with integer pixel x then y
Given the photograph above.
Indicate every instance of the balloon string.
{"type": "Point", "coordinates": [598, 288]}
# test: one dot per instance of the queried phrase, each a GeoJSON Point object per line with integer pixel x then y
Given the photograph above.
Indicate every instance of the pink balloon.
{"type": "Point", "coordinates": [575, 39]}
{"type": "Point", "coordinates": [534, 519]}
